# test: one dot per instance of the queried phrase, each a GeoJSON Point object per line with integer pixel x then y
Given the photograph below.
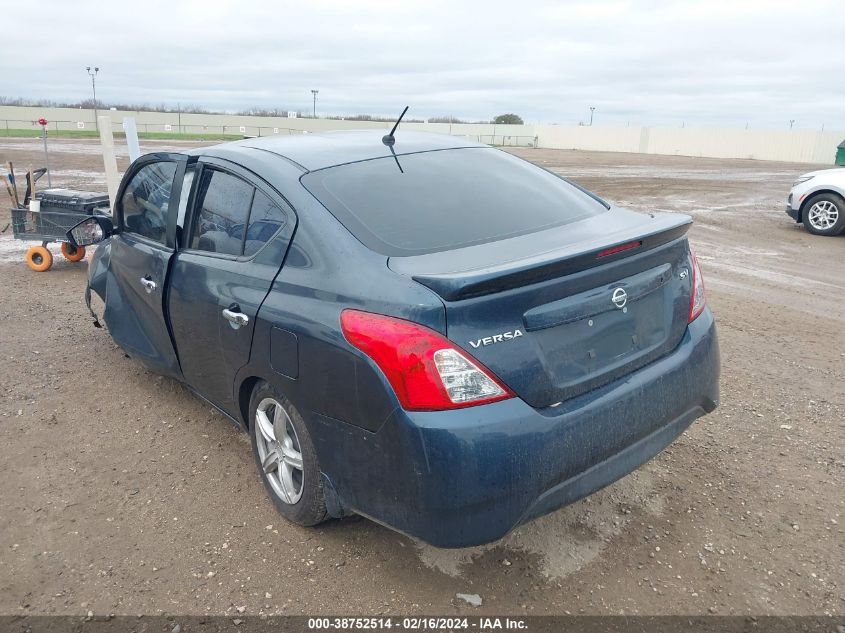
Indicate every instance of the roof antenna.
{"type": "Point", "coordinates": [389, 139]}
{"type": "Point", "coordinates": [396, 158]}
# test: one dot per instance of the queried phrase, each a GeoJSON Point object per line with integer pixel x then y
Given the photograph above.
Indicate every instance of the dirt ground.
{"type": "Point", "coordinates": [122, 493]}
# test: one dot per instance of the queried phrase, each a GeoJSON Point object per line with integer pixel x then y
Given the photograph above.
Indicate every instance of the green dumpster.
{"type": "Point", "coordinates": [840, 154]}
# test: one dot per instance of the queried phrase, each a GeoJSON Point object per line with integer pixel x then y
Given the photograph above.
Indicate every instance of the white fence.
{"type": "Point", "coordinates": [71, 119]}
{"type": "Point", "coordinates": [798, 146]}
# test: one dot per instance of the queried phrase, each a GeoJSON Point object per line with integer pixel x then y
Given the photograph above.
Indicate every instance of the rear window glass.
{"type": "Point", "coordinates": [449, 199]}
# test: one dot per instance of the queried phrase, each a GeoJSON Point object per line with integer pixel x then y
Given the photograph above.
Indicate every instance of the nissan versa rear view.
{"type": "Point", "coordinates": [422, 330]}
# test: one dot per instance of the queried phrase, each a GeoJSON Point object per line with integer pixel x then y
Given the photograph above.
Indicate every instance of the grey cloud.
{"type": "Point", "coordinates": [648, 62]}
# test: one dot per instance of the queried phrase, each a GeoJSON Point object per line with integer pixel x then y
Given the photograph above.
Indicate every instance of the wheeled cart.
{"type": "Point", "coordinates": [59, 210]}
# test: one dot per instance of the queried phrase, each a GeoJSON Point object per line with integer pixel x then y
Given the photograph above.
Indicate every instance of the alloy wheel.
{"type": "Point", "coordinates": [823, 215]}
{"type": "Point", "coordinates": [279, 450]}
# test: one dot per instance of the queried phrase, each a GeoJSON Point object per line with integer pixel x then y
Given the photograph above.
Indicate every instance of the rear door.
{"type": "Point", "coordinates": [141, 253]}
{"type": "Point", "coordinates": [237, 233]}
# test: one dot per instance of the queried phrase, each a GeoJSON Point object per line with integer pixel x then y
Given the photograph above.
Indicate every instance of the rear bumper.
{"type": "Point", "coordinates": [469, 476]}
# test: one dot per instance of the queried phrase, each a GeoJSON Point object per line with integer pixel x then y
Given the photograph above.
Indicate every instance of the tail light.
{"type": "Point", "coordinates": [427, 372]}
{"type": "Point", "coordinates": [697, 301]}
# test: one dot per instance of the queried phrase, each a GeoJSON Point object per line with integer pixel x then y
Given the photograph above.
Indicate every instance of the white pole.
{"type": "Point", "coordinates": [109, 161]}
{"type": "Point", "coordinates": [131, 131]}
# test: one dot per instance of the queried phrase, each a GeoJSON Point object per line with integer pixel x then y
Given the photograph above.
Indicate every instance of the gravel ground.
{"type": "Point", "coordinates": [122, 493]}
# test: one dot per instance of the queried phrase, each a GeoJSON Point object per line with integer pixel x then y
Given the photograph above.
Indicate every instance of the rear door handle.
{"type": "Point", "coordinates": [149, 284]}
{"type": "Point", "coordinates": [235, 318]}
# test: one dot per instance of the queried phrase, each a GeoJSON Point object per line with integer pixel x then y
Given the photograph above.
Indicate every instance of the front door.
{"type": "Point", "coordinates": [141, 251]}
{"type": "Point", "coordinates": [234, 243]}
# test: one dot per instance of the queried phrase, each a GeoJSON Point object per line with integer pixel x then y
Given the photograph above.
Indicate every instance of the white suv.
{"type": "Point", "coordinates": [818, 200]}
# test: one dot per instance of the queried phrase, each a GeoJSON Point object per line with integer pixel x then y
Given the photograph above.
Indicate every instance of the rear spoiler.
{"type": "Point", "coordinates": [482, 281]}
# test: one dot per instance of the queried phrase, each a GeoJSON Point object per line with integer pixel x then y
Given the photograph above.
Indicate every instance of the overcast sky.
{"type": "Point", "coordinates": [640, 62]}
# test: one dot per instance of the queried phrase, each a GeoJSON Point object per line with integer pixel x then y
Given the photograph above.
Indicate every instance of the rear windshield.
{"type": "Point", "coordinates": [447, 199]}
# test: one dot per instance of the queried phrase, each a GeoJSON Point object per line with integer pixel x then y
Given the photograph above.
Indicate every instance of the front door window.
{"type": "Point", "coordinates": [145, 200]}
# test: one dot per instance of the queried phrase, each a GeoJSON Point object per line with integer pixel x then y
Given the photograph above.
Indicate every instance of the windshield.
{"type": "Point", "coordinates": [443, 200]}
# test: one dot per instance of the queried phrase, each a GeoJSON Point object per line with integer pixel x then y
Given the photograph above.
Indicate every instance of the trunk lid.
{"type": "Point", "coordinates": [557, 313]}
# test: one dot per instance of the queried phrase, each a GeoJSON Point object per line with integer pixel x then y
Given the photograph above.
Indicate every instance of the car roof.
{"type": "Point", "coordinates": [327, 149]}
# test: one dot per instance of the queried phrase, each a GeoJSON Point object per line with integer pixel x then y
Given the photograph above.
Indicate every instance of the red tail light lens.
{"type": "Point", "coordinates": [427, 372]}
{"type": "Point", "coordinates": [698, 300]}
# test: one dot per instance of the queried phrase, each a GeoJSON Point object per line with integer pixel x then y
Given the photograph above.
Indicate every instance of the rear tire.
{"type": "Point", "coordinates": [285, 456]}
{"type": "Point", "coordinates": [824, 214]}
{"type": "Point", "coordinates": [73, 253]}
{"type": "Point", "coordinates": [39, 258]}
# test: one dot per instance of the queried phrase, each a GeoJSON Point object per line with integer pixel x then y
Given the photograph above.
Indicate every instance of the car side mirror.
{"type": "Point", "coordinates": [90, 231]}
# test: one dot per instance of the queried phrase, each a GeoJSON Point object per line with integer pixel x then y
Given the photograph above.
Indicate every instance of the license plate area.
{"type": "Point", "coordinates": [587, 348]}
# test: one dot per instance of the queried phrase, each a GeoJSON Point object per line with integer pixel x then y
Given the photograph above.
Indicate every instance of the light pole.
{"type": "Point", "coordinates": [314, 92]}
{"type": "Point", "coordinates": [592, 109]}
{"type": "Point", "coordinates": [791, 123]}
{"type": "Point", "coordinates": [94, 89]}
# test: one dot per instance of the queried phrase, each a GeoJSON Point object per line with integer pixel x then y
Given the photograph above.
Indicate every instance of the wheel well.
{"type": "Point", "coordinates": [244, 395]}
{"type": "Point", "coordinates": [813, 195]}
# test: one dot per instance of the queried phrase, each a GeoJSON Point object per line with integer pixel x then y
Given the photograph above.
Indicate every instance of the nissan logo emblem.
{"type": "Point", "coordinates": [619, 298]}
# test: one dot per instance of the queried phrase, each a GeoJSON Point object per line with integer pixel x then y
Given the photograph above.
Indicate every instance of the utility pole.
{"type": "Point", "coordinates": [791, 123]}
{"type": "Point", "coordinates": [94, 88]}
{"type": "Point", "coordinates": [314, 92]}
{"type": "Point", "coordinates": [592, 109]}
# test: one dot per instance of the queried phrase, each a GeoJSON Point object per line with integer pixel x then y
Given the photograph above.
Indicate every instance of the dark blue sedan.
{"type": "Point", "coordinates": [434, 334]}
